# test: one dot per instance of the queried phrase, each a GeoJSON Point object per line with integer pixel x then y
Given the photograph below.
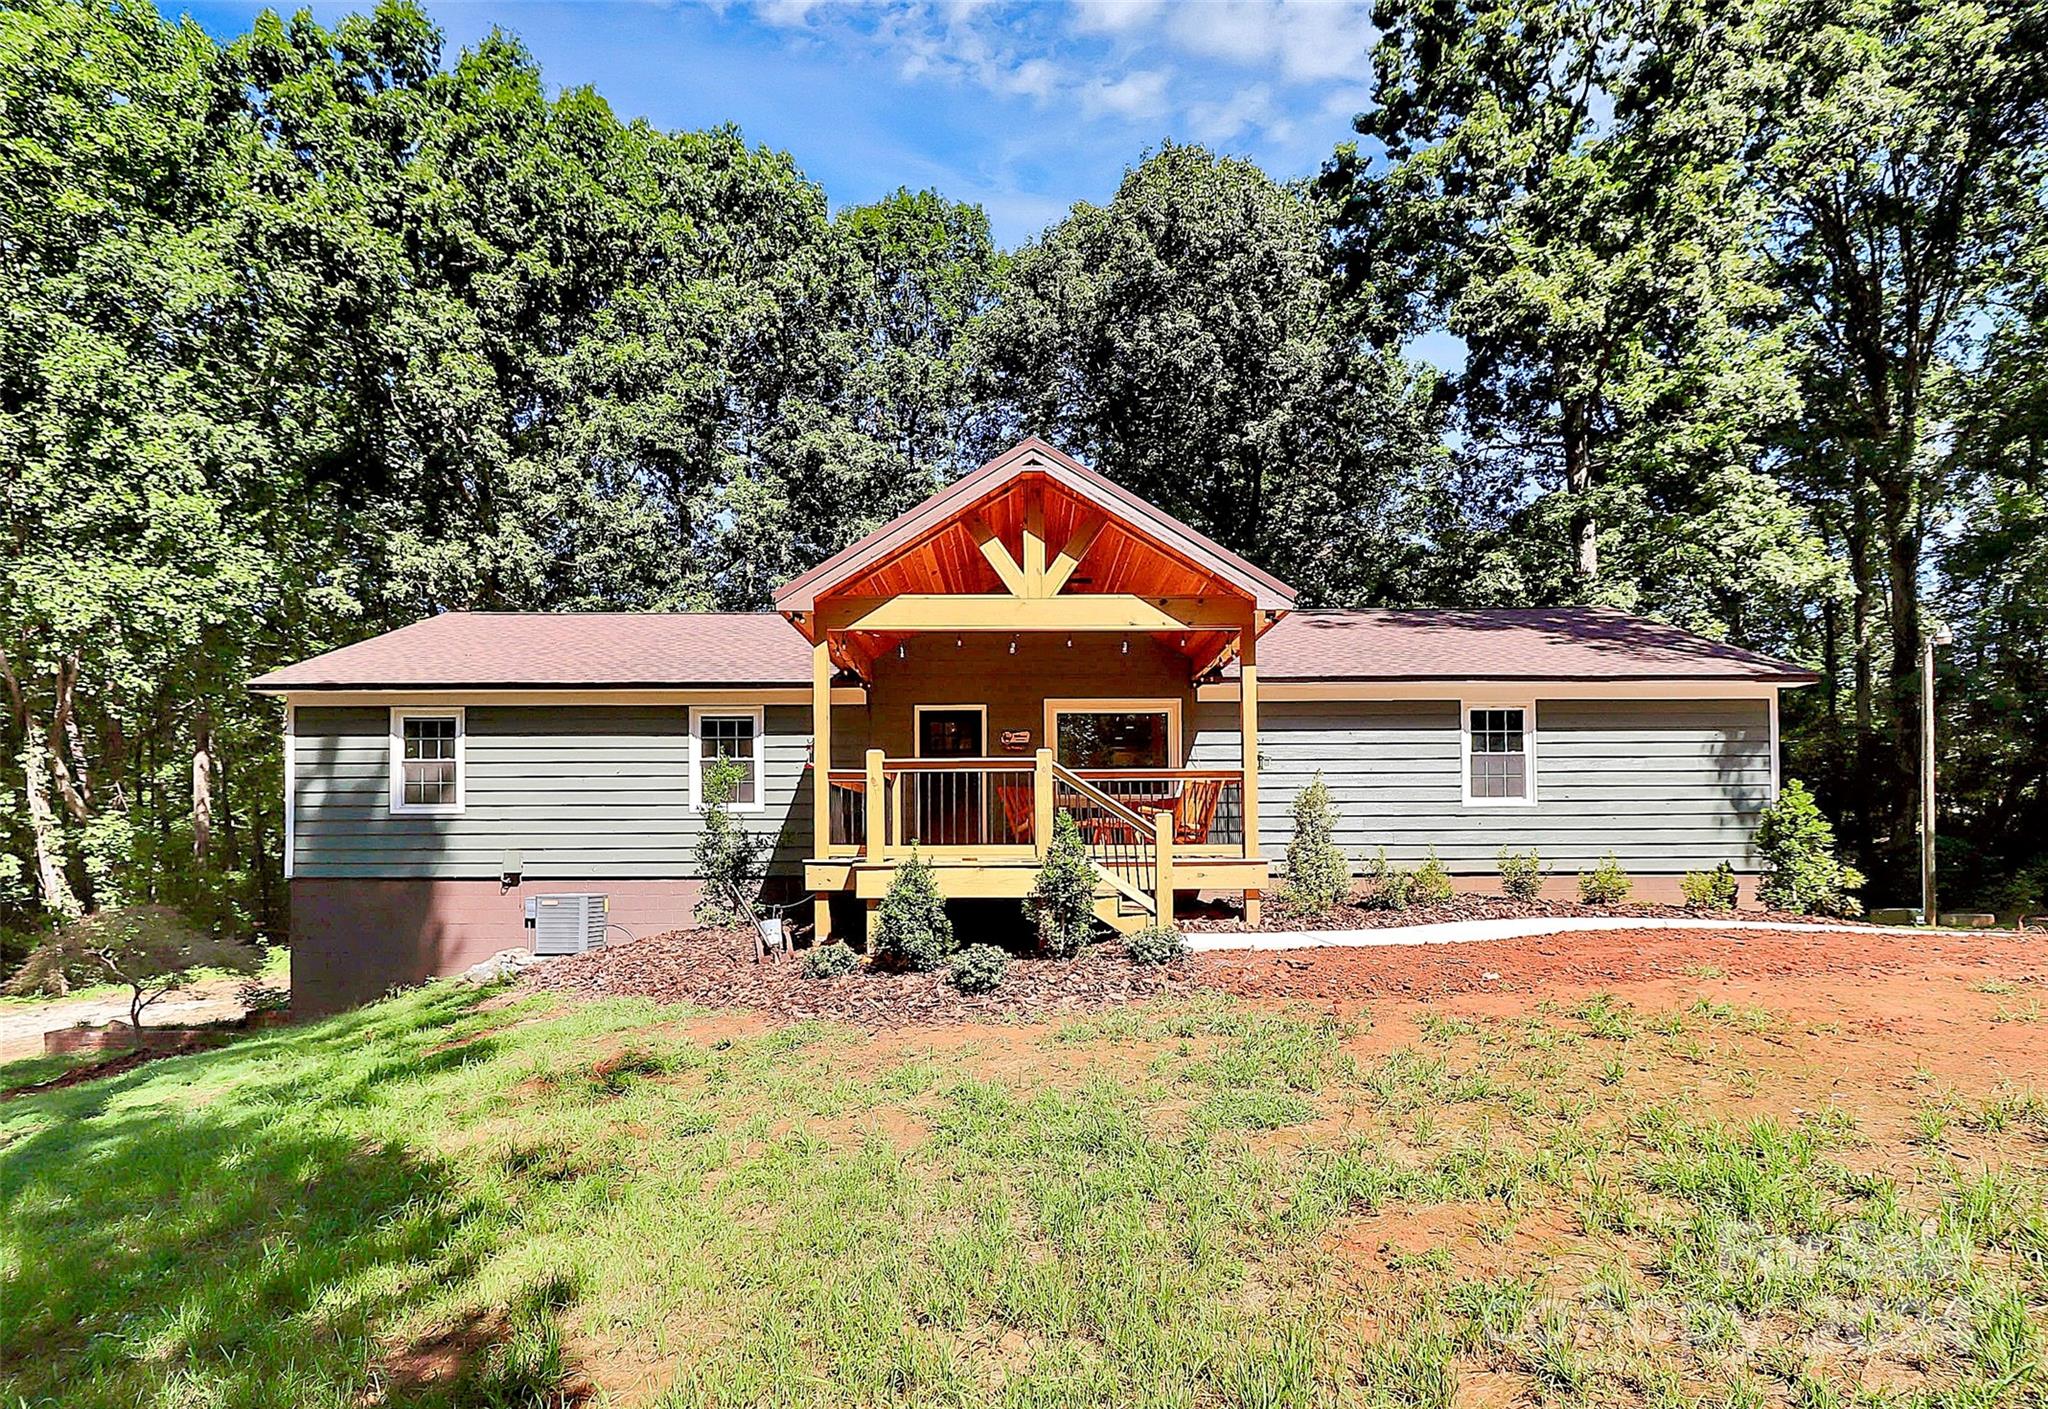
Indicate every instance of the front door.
{"type": "Point", "coordinates": [947, 804]}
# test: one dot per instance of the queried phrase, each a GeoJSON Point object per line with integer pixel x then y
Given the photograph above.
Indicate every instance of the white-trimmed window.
{"type": "Point", "coordinates": [1500, 754]}
{"type": "Point", "coordinates": [427, 747]}
{"type": "Point", "coordinates": [735, 733]}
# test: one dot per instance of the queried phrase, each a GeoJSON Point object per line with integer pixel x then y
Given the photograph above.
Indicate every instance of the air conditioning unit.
{"type": "Point", "coordinates": [567, 924]}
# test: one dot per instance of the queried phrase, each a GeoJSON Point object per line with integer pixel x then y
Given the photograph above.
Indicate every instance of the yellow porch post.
{"type": "Point", "coordinates": [877, 823]}
{"type": "Point", "coordinates": [1041, 801]}
{"type": "Point", "coordinates": [821, 776]}
{"type": "Point", "coordinates": [1162, 841]}
{"type": "Point", "coordinates": [1248, 738]}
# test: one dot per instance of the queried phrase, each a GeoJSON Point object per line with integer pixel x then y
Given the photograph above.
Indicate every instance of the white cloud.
{"type": "Point", "coordinates": [1135, 95]}
{"type": "Point", "coordinates": [1247, 72]}
{"type": "Point", "coordinates": [1307, 40]}
{"type": "Point", "coordinates": [1113, 16]}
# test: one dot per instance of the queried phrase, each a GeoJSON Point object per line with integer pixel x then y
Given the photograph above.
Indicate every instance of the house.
{"type": "Point", "coordinates": [1030, 640]}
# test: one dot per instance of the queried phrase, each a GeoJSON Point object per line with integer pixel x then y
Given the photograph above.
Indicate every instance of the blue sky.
{"type": "Point", "coordinates": [1024, 108]}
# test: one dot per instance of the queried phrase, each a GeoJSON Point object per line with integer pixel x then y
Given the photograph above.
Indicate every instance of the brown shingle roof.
{"type": "Point", "coordinates": [652, 650]}
{"type": "Point", "coordinates": [571, 650]}
{"type": "Point", "coordinates": [1511, 643]}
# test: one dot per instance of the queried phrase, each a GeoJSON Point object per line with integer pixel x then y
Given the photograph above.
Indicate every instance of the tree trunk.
{"type": "Point", "coordinates": [1578, 482]}
{"type": "Point", "coordinates": [202, 785]}
{"type": "Point", "coordinates": [73, 786]}
{"type": "Point", "coordinates": [51, 883]}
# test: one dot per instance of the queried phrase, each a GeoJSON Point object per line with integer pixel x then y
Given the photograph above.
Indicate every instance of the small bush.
{"type": "Point", "coordinates": [1521, 874]}
{"type": "Point", "coordinates": [1062, 899]}
{"type": "Point", "coordinates": [1431, 883]}
{"type": "Point", "coordinates": [828, 961]}
{"type": "Point", "coordinates": [1709, 890]}
{"type": "Point", "coordinates": [1796, 844]}
{"type": "Point", "coordinates": [728, 855]}
{"type": "Point", "coordinates": [1605, 884]}
{"type": "Point", "coordinates": [911, 928]}
{"type": "Point", "coordinates": [1386, 887]}
{"type": "Point", "coordinates": [1155, 944]}
{"type": "Point", "coordinates": [1318, 875]}
{"type": "Point", "coordinates": [979, 968]}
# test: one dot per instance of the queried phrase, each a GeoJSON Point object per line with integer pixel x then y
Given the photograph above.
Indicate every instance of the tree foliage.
{"type": "Point", "coordinates": [912, 929]}
{"type": "Point", "coordinates": [151, 950]}
{"type": "Point", "coordinates": [1318, 874]}
{"type": "Point", "coordinates": [1796, 844]}
{"type": "Point", "coordinates": [1062, 899]}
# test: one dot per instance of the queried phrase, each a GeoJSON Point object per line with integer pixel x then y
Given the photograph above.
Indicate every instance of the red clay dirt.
{"type": "Point", "coordinates": [1596, 958]}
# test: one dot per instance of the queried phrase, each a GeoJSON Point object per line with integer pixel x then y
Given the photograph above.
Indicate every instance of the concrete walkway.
{"type": "Point", "coordinates": [1472, 931]}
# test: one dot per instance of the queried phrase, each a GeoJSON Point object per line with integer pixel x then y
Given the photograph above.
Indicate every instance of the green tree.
{"type": "Point", "coordinates": [1318, 875]}
{"type": "Point", "coordinates": [1062, 899]}
{"type": "Point", "coordinates": [728, 855]}
{"type": "Point", "coordinates": [912, 929]}
{"type": "Point", "coordinates": [1181, 340]}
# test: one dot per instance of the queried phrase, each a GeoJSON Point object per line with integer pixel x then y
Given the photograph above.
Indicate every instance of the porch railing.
{"type": "Point", "coordinates": [976, 802]}
{"type": "Point", "coordinates": [1123, 842]}
{"type": "Point", "coordinates": [1133, 821]}
{"type": "Point", "coordinates": [1207, 804]}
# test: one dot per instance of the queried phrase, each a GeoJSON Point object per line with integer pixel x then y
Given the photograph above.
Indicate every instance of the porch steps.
{"type": "Point", "coordinates": [1116, 912]}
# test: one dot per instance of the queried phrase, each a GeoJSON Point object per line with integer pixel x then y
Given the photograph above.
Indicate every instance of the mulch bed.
{"type": "Point", "coordinates": [1223, 918]}
{"type": "Point", "coordinates": [716, 969]}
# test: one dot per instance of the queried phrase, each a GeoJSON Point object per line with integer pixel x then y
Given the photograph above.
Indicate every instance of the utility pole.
{"type": "Point", "coordinates": [1936, 636]}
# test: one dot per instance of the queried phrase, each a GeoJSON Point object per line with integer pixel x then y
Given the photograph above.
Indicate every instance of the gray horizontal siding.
{"type": "Point", "coordinates": [579, 791]}
{"type": "Point", "coordinates": [1667, 785]}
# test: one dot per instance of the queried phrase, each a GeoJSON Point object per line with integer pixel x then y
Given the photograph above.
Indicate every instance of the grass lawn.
{"type": "Point", "coordinates": [1598, 1199]}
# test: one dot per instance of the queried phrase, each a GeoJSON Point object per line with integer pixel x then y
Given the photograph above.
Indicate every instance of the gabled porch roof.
{"type": "Point", "coordinates": [1034, 541]}
{"type": "Point", "coordinates": [1121, 544]}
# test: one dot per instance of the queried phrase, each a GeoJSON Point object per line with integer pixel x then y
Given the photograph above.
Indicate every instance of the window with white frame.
{"type": "Point", "coordinates": [426, 760]}
{"type": "Point", "coordinates": [1499, 759]}
{"type": "Point", "coordinates": [726, 733]}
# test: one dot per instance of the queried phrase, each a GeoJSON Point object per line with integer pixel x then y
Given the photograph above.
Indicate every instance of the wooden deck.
{"type": "Point", "coordinates": [982, 824]}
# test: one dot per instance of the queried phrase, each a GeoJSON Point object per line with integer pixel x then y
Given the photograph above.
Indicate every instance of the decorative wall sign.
{"type": "Point", "coordinates": [1016, 740]}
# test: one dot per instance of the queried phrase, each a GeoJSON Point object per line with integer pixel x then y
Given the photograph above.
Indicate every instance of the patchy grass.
{"type": "Point", "coordinates": [439, 1202]}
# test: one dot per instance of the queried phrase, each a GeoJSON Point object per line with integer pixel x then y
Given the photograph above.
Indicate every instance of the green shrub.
{"type": "Point", "coordinates": [979, 968]}
{"type": "Point", "coordinates": [1796, 844]}
{"type": "Point", "coordinates": [911, 928]}
{"type": "Point", "coordinates": [1431, 883]}
{"type": "Point", "coordinates": [1605, 884]}
{"type": "Point", "coordinates": [1062, 899]}
{"type": "Point", "coordinates": [1709, 890]}
{"type": "Point", "coordinates": [1386, 887]}
{"type": "Point", "coordinates": [728, 855]}
{"type": "Point", "coordinates": [1521, 874]}
{"type": "Point", "coordinates": [828, 961]}
{"type": "Point", "coordinates": [1155, 944]}
{"type": "Point", "coordinates": [1318, 876]}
